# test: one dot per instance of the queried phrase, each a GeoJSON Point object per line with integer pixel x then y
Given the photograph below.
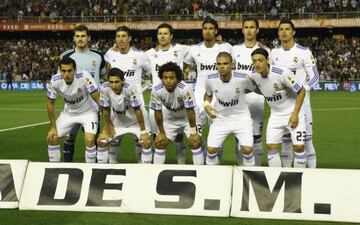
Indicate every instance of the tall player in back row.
{"type": "Point", "coordinates": [243, 64]}
{"type": "Point", "coordinates": [301, 62]}
{"type": "Point", "coordinates": [165, 52]}
{"type": "Point", "coordinates": [203, 55]}
{"type": "Point", "coordinates": [133, 63]}
{"type": "Point", "coordinates": [86, 59]}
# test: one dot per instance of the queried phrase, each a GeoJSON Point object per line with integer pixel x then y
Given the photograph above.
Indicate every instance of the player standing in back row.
{"type": "Point", "coordinates": [301, 62]}
{"type": "Point", "coordinates": [243, 64]}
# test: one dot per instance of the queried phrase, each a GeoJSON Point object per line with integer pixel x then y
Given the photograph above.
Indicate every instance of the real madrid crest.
{"type": "Point", "coordinates": [94, 63]}
{"type": "Point", "coordinates": [276, 87]}
{"type": "Point", "coordinates": [237, 91]}
{"type": "Point", "coordinates": [296, 60]}
{"type": "Point", "coordinates": [134, 62]}
{"type": "Point", "coordinates": [79, 90]}
{"type": "Point", "coordinates": [175, 54]}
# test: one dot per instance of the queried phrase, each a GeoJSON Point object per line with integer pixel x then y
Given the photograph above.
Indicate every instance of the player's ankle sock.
{"type": "Point", "coordinates": [198, 156]}
{"type": "Point", "coordinates": [54, 153]}
{"type": "Point", "coordinates": [258, 151]}
{"type": "Point", "coordinates": [180, 152]}
{"type": "Point", "coordinates": [138, 152]}
{"type": "Point", "coordinates": [249, 160]}
{"type": "Point", "coordinates": [159, 156]}
{"type": "Point", "coordinates": [102, 155]}
{"type": "Point", "coordinates": [212, 159]}
{"type": "Point", "coordinates": [287, 154]}
{"type": "Point", "coordinates": [114, 152]}
{"type": "Point", "coordinates": [274, 159]}
{"type": "Point", "coordinates": [310, 152]}
{"type": "Point", "coordinates": [300, 160]}
{"type": "Point", "coordinates": [90, 154]}
{"type": "Point", "coordinates": [68, 150]}
{"type": "Point", "coordinates": [146, 156]}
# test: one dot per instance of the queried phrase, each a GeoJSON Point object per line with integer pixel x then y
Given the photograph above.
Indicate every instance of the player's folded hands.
{"type": "Point", "coordinates": [161, 140]}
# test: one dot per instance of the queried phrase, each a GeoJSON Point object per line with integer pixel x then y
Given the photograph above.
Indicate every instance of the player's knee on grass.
{"type": "Point", "coordinates": [212, 150]}
{"type": "Point", "coordinates": [298, 148]}
{"type": "Point", "coordinates": [246, 149]}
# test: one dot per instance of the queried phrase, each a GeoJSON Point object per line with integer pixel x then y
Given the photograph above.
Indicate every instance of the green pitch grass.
{"type": "Point", "coordinates": [336, 132]}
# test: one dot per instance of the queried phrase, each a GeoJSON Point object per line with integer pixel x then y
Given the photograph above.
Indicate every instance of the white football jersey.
{"type": "Point", "coordinates": [242, 57]}
{"type": "Point", "coordinates": [121, 104]}
{"type": "Point", "coordinates": [76, 95]}
{"type": "Point", "coordinates": [279, 89]}
{"type": "Point", "coordinates": [299, 60]}
{"type": "Point", "coordinates": [176, 53]}
{"type": "Point", "coordinates": [230, 96]}
{"type": "Point", "coordinates": [131, 63]}
{"type": "Point", "coordinates": [175, 102]}
{"type": "Point", "coordinates": [205, 60]}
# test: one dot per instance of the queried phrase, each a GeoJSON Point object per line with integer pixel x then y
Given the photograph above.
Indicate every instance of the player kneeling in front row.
{"type": "Point", "coordinates": [230, 113]}
{"type": "Point", "coordinates": [81, 96]}
{"type": "Point", "coordinates": [123, 114]}
{"type": "Point", "coordinates": [176, 115]}
{"type": "Point", "coordinates": [285, 97]}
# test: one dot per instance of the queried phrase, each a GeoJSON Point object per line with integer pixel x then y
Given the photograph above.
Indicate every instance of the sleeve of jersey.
{"type": "Point", "coordinates": [104, 98]}
{"type": "Point", "coordinates": [51, 92]}
{"type": "Point", "coordinates": [271, 57]}
{"type": "Point", "coordinates": [290, 82]}
{"type": "Point", "coordinates": [134, 97]}
{"type": "Point", "coordinates": [208, 89]}
{"type": "Point", "coordinates": [312, 72]}
{"type": "Point", "coordinates": [155, 102]}
{"type": "Point", "coordinates": [90, 83]}
{"type": "Point", "coordinates": [146, 66]}
{"type": "Point", "coordinates": [188, 98]}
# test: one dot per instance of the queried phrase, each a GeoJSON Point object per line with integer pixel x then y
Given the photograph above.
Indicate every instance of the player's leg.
{"type": "Point", "coordinates": [64, 124]}
{"type": "Point", "coordinates": [244, 134]}
{"type": "Point", "coordinates": [90, 124]}
{"type": "Point", "coordinates": [180, 149]}
{"type": "Point", "coordinates": [160, 148]}
{"type": "Point", "coordinates": [309, 146]}
{"type": "Point", "coordinates": [69, 144]}
{"type": "Point", "coordinates": [102, 155]}
{"type": "Point", "coordinates": [196, 151]}
{"type": "Point", "coordinates": [287, 154]}
{"type": "Point", "coordinates": [274, 132]}
{"type": "Point", "coordinates": [216, 137]}
{"type": "Point", "coordinates": [298, 136]}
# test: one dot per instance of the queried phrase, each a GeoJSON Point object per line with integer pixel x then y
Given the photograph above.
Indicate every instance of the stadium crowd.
{"type": "Point", "coordinates": [198, 8]}
{"type": "Point", "coordinates": [31, 59]}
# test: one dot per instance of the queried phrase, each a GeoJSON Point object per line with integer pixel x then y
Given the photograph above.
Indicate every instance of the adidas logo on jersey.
{"type": "Point", "coordinates": [273, 98]}
{"type": "Point", "coordinates": [207, 67]}
{"type": "Point", "coordinates": [244, 67]}
{"type": "Point", "coordinates": [231, 103]}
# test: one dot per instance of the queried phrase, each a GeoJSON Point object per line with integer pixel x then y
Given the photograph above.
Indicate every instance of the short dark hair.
{"type": "Point", "coordinates": [165, 25]}
{"type": "Point", "coordinates": [116, 72]}
{"type": "Point", "coordinates": [250, 19]}
{"type": "Point", "coordinates": [212, 21]}
{"type": "Point", "coordinates": [67, 61]}
{"type": "Point", "coordinates": [287, 21]}
{"type": "Point", "coordinates": [82, 27]}
{"type": "Point", "coordinates": [260, 51]}
{"type": "Point", "coordinates": [125, 29]}
{"type": "Point", "coordinates": [171, 66]}
{"type": "Point", "coordinates": [224, 54]}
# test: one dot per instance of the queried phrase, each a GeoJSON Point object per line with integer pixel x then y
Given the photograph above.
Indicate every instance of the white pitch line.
{"type": "Point", "coordinates": [25, 126]}
{"type": "Point", "coordinates": [336, 109]}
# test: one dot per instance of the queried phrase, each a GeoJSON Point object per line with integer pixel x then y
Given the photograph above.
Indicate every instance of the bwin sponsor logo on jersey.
{"type": "Point", "coordinates": [129, 73]}
{"type": "Point", "coordinates": [273, 98]}
{"type": "Point", "coordinates": [244, 67]}
{"type": "Point", "coordinates": [231, 103]}
{"type": "Point", "coordinates": [174, 109]}
{"type": "Point", "coordinates": [77, 100]}
{"type": "Point", "coordinates": [207, 67]}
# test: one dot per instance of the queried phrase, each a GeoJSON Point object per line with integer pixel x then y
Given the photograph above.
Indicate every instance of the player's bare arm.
{"type": "Point", "coordinates": [207, 106]}
{"type": "Point", "coordinates": [294, 118]}
{"type": "Point", "coordinates": [95, 96]}
{"type": "Point", "coordinates": [108, 129]}
{"type": "Point", "coordinates": [144, 134]}
{"type": "Point", "coordinates": [51, 114]}
{"type": "Point", "coordinates": [194, 138]}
